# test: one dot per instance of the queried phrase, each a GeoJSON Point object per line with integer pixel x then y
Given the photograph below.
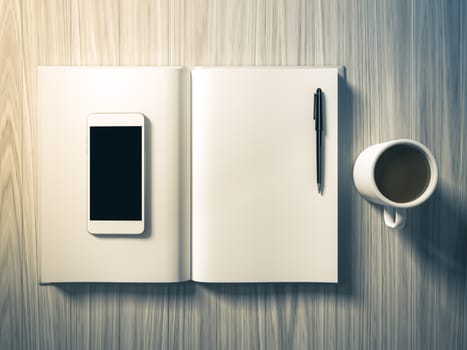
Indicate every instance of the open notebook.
{"type": "Point", "coordinates": [232, 194]}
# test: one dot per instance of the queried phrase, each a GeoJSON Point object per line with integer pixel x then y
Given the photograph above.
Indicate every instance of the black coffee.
{"type": "Point", "coordinates": [402, 173]}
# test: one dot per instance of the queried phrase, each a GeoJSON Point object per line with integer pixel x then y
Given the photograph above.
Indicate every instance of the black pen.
{"type": "Point", "coordinates": [318, 117]}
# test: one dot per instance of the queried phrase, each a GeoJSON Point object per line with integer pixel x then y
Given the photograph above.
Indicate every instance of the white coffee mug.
{"type": "Point", "coordinates": [397, 174]}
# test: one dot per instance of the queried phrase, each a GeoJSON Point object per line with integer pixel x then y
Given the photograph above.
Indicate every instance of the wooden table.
{"type": "Point", "coordinates": [407, 77]}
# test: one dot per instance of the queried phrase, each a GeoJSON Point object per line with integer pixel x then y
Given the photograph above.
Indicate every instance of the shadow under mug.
{"type": "Point", "coordinates": [397, 174]}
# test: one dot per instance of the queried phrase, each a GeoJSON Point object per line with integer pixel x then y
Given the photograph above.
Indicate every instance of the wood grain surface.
{"type": "Point", "coordinates": [406, 77]}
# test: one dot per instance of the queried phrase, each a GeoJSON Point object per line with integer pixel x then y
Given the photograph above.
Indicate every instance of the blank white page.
{"type": "Point", "coordinates": [68, 253]}
{"type": "Point", "coordinates": [256, 212]}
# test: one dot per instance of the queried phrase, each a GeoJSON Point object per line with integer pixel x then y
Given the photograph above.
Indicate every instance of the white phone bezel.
{"type": "Point", "coordinates": [112, 227]}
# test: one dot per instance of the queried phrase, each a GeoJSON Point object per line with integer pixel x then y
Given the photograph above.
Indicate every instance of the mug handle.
{"type": "Point", "coordinates": [394, 217]}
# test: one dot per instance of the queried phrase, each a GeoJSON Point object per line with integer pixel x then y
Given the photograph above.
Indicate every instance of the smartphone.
{"type": "Point", "coordinates": [116, 173]}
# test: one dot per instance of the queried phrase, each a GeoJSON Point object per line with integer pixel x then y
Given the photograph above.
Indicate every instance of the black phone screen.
{"type": "Point", "coordinates": [115, 173]}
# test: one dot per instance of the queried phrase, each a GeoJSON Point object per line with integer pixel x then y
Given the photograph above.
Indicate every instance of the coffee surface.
{"type": "Point", "coordinates": [402, 173]}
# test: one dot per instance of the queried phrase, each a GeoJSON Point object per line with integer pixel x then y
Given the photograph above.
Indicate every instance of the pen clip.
{"type": "Point", "coordinates": [315, 110]}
